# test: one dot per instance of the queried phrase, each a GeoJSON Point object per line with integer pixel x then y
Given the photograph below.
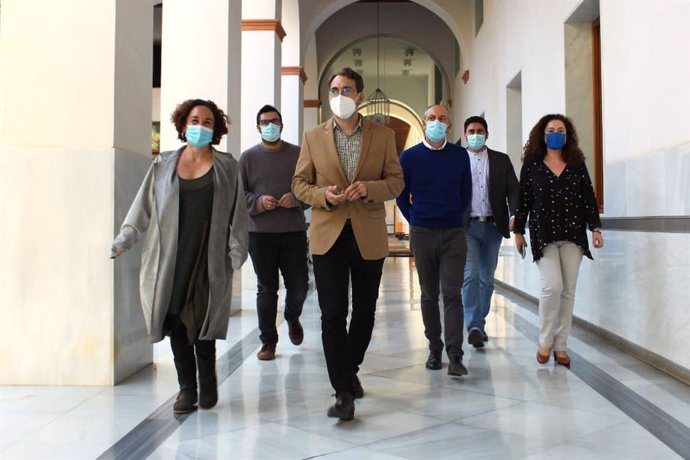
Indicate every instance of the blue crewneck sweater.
{"type": "Point", "coordinates": [438, 186]}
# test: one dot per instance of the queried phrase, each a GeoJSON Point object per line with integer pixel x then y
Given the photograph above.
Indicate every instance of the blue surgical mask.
{"type": "Point", "coordinates": [555, 141]}
{"type": "Point", "coordinates": [435, 131]}
{"type": "Point", "coordinates": [270, 133]}
{"type": "Point", "coordinates": [476, 141]}
{"type": "Point", "coordinates": [198, 136]}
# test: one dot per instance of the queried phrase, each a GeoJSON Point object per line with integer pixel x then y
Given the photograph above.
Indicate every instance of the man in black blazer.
{"type": "Point", "coordinates": [495, 195]}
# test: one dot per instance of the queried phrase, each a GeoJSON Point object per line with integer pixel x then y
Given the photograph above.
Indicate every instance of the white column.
{"type": "Point", "coordinates": [262, 34]}
{"type": "Point", "coordinates": [293, 75]}
{"type": "Point", "coordinates": [75, 123]}
{"type": "Point", "coordinates": [311, 87]}
{"type": "Point", "coordinates": [201, 59]}
{"type": "Point", "coordinates": [292, 104]}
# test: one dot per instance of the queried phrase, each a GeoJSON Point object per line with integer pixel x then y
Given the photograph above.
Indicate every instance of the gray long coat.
{"type": "Point", "coordinates": [155, 210]}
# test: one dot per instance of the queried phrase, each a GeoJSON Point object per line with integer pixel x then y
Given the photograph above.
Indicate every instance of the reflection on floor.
{"type": "Point", "coordinates": [507, 407]}
{"type": "Point", "coordinates": [399, 246]}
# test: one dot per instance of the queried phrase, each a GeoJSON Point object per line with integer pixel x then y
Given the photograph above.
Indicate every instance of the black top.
{"type": "Point", "coordinates": [190, 284]}
{"type": "Point", "coordinates": [559, 207]}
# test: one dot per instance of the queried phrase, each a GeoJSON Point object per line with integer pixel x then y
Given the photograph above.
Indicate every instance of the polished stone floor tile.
{"type": "Point", "coordinates": [268, 440]}
{"type": "Point", "coordinates": [32, 450]}
{"type": "Point", "coordinates": [15, 427]}
{"type": "Point", "coordinates": [544, 422]}
{"type": "Point", "coordinates": [360, 453]}
{"type": "Point", "coordinates": [454, 441]}
{"type": "Point", "coordinates": [572, 453]}
{"type": "Point", "coordinates": [626, 439]}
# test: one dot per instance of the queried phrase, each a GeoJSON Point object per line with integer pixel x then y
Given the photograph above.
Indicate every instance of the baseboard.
{"type": "Point", "coordinates": [648, 357]}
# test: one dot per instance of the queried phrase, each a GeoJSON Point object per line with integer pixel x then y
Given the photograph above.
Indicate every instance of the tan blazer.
{"type": "Point", "coordinates": [378, 167]}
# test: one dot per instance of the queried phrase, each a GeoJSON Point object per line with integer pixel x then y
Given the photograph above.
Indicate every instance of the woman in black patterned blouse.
{"type": "Point", "coordinates": [556, 193]}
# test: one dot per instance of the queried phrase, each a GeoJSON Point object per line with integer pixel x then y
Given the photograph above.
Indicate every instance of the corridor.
{"type": "Point", "coordinates": [608, 406]}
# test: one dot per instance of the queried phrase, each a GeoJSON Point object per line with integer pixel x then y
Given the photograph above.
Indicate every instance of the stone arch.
{"type": "Point", "coordinates": [324, 75]}
{"type": "Point", "coordinates": [310, 25]}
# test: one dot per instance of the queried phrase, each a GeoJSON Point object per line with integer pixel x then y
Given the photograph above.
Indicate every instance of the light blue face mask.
{"type": "Point", "coordinates": [198, 136]}
{"type": "Point", "coordinates": [555, 141]}
{"type": "Point", "coordinates": [435, 131]}
{"type": "Point", "coordinates": [476, 141]}
{"type": "Point", "coordinates": [270, 133]}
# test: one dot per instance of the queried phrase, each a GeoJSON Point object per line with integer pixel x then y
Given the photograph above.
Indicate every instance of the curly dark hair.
{"type": "Point", "coordinates": [220, 120]}
{"type": "Point", "coordinates": [535, 148]}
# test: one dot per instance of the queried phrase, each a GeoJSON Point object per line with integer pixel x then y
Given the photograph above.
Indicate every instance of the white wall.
{"type": "Point", "coordinates": [646, 103]}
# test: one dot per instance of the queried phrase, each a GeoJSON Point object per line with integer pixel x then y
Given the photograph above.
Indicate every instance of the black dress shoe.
{"type": "Point", "coordinates": [357, 390]}
{"type": "Point", "coordinates": [344, 407]}
{"type": "Point", "coordinates": [434, 362]}
{"type": "Point", "coordinates": [295, 332]}
{"type": "Point", "coordinates": [475, 338]}
{"type": "Point", "coordinates": [455, 367]}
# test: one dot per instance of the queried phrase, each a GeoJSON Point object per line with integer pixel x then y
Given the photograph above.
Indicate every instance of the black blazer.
{"type": "Point", "coordinates": [504, 190]}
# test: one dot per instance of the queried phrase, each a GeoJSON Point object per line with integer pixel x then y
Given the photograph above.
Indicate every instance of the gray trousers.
{"type": "Point", "coordinates": [439, 256]}
{"type": "Point", "coordinates": [558, 270]}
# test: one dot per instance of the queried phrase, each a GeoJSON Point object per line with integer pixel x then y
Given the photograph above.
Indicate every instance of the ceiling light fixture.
{"type": "Point", "coordinates": [379, 106]}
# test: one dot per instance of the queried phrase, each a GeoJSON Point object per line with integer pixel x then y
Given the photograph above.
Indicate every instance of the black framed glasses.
{"type": "Point", "coordinates": [275, 121]}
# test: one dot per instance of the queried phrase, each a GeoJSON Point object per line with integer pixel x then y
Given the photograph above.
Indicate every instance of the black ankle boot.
{"type": "Point", "coordinates": [208, 382]}
{"type": "Point", "coordinates": [187, 397]}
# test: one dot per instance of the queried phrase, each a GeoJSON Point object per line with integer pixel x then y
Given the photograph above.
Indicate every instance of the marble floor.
{"type": "Point", "coordinates": [608, 406]}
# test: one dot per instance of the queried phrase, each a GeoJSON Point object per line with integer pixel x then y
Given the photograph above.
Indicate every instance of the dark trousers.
{"type": "Point", "coordinates": [439, 255]}
{"type": "Point", "coordinates": [183, 351]}
{"type": "Point", "coordinates": [272, 253]}
{"type": "Point", "coordinates": [345, 348]}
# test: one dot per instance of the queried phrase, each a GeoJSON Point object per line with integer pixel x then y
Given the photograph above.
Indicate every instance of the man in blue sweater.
{"type": "Point", "coordinates": [438, 189]}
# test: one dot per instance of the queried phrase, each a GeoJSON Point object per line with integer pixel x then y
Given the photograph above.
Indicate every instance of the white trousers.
{"type": "Point", "coordinates": [558, 272]}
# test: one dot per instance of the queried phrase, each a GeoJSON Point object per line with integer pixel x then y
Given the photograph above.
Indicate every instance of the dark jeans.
{"type": "Point", "coordinates": [344, 349]}
{"type": "Point", "coordinates": [271, 253]}
{"type": "Point", "coordinates": [439, 255]}
{"type": "Point", "coordinates": [183, 351]}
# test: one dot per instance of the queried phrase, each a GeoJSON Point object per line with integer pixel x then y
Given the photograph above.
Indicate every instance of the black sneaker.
{"type": "Point", "coordinates": [455, 367]}
{"type": "Point", "coordinates": [475, 338]}
{"type": "Point", "coordinates": [434, 362]}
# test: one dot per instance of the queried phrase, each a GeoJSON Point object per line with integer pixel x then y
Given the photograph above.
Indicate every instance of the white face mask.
{"type": "Point", "coordinates": [342, 107]}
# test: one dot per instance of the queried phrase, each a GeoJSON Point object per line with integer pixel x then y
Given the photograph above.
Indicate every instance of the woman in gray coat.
{"type": "Point", "coordinates": [191, 207]}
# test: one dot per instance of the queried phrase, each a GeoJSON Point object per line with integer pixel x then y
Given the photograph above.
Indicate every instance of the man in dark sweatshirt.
{"type": "Point", "coordinates": [277, 230]}
{"type": "Point", "coordinates": [438, 189]}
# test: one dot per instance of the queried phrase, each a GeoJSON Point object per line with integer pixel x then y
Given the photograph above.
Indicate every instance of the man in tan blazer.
{"type": "Point", "coordinates": [347, 168]}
